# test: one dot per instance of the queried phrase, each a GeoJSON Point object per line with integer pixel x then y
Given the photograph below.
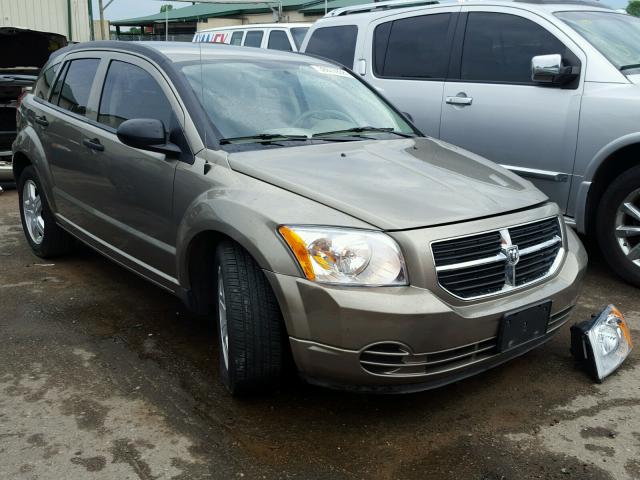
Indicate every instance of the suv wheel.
{"type": "Point", "coordinates": [45, 237]}
{"type": "Point", "coordinates": [251, 333]}
{"type": "Point", "coordinates": [618, 225]}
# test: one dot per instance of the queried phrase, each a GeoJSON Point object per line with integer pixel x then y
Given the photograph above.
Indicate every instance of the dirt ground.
{"type": "Point", "coordinates": [103, 376]}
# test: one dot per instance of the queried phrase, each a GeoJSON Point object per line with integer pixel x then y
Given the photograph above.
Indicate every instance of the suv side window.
{"type": "Point", "coordinates": [278, 40]}
{"type": "Point", "coordinates": [413, 47]}
{"type": "Point", "coordinates": [498, 47]}
{"type": "Point", "coordinates": [76, 86]}
{"type": "Point", "coordinates": [236, 38]}
{"type": "Point", "coordinates": [131, 92]}
{"type": "Point", "coordinates": [45, 82]}
{"type": "Point", "coordinates": [335, 43]}
{"type": "Point", "coordinates": [253, 38]}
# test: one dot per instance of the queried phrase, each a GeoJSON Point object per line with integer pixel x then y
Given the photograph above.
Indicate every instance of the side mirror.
{"type": "Point", "coordinates": [548, 69]}
{"type": "Point", "coordinates": [146, 134]}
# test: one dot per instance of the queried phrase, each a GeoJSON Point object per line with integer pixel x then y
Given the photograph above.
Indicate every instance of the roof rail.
{"type": "Point", "coordinates": [373, 7]}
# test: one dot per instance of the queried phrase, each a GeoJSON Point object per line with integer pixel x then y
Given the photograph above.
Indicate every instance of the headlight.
{"type": "Point", "coordinates": [346, 256]}
{"type": "Point", "coordinates": [602, 342]}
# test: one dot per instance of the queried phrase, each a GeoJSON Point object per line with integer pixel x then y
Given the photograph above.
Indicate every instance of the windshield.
{"type": "Point", "coordinates": [615, 35]}
{"type": "Point", "coordinates": [298, 34]}
{"type": "Point", "coordinates": [268, 97]}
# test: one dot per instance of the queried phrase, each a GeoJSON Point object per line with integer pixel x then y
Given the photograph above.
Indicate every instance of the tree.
{"type": "Point", "coordinates": [634, 8]}
{"type": "Point", "coordinates": [165, 8]}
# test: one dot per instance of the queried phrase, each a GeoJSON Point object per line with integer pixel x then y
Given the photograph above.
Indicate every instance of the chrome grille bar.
{"type": "Point", "coordinates": [480, 277]}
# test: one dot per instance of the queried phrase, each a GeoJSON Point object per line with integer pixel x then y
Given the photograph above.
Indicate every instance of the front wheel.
{"type": "Point", "coordinates": [251, 333]}
{"type": "Point", "coordinates": [618, 225]}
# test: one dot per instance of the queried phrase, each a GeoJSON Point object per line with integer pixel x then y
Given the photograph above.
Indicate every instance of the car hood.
{"type": "Point", "coordinates": [393, 184]}
{"type": "Point", "coordinates": [25, 48]}
{"type": "Point", "coordinates": [634, 78]}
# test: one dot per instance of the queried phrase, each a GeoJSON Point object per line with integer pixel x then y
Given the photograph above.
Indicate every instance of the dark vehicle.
{"type": "Point", "coordinates": [24, 52]}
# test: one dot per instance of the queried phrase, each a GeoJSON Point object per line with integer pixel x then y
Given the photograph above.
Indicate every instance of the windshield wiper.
{"type": "Point", "coordinates": [364, 129]}
{"type": "Point", "coordinates": [629, 67]}
{"type": "Point", "coordinates": [263, 138]}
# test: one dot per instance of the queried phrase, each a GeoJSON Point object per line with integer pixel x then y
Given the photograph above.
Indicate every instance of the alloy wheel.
{"type": "Point", "coordinates": [222, 319]}
{"type": "Point", "coordinates": [32, 210]}
{"type": "Point", "coordinates": [628, 227]}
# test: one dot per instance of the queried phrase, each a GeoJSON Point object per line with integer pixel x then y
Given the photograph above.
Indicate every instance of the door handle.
{"type": "Point", "coordinates": [93, 144]}
{"type": "Point", "coordinates": [459, 99]}
{"type": "Point", "coordinates": [42, 121]}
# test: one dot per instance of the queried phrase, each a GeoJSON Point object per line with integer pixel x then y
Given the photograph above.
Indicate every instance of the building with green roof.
{"type": "Point", "coordinates": [184, 22]}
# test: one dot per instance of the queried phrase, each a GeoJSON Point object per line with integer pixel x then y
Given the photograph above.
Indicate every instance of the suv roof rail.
{"type": "Point", "coordinates": [373, 7]}
{"type": "Point", "coordinates": [587, 3]}
{"type": "Point", "coordinates": [390, 4]}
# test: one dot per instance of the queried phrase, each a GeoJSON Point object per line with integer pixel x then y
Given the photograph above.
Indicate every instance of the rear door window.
{"type": "Point", "coordinates": [413, 47]}
{"type": "Point", "coordinates": [334, 43]}
{"type": "Point", "coordinates": [298, 34]}
{"type": "Point", "coordinates": [498, 47]}
{"type": "Point", "coordinates": [76, 86]}
{"type": "Point", "coordinates": [253, 38]}
{"type": "Point", "coordinates": [236, 38]}
{"type": "Point", "coordinates": [131, 92]}
{"type": "Point", "coordinates": [278, 40]}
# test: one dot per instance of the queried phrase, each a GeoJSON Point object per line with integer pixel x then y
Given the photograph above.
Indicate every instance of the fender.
{"type": "Point", "coordinates": [584, 187]}
{"type": "Point", "coordinates": [28, 144]}
{"type": "Point", "coordinates": [606, 151]}
{"type": "Point", "coordinates": [248, 211]}
{"type": "Point", "coordinates": [231, 219]}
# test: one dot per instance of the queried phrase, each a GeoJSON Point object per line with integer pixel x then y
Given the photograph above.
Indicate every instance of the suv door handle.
{"type": "Point", "coordinates": [460, 99]}
{"type": "Point", "coordinates": [93, 144]}
{"type": "Point", "coordinates": [42, 120]}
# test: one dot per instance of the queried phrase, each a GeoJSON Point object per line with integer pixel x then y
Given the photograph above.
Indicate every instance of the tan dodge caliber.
{"type": "Point", "coordinates": [288, 200]}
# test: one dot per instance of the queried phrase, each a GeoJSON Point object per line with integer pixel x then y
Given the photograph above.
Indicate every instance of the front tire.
{"type": "Point", "coordinates": [251, 333]}
{"type": "Point", "coordinates": [46, 238]}
{"type": "Point", "coordinates": [618, 225]}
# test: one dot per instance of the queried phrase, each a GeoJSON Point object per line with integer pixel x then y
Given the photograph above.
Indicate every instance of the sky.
{"type": "Point", "coordinates": [121, 9]}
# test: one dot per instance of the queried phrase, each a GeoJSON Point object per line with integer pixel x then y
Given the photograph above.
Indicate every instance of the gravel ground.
{"type": "Point", "coordinates": [103, 376]}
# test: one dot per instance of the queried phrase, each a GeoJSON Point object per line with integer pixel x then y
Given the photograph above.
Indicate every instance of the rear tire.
{"type": "Point", "coordinates": [619, 212]}
{"type": "Point", "coordinates": [251, 332]}
{"type": "Point", "coordinates": [46, 238]}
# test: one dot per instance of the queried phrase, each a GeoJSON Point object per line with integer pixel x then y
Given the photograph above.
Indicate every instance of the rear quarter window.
{"type": "Point", "coordinates": [236, 38]}
{"type": "Point", "coordinates": [253, 38]}
{"type": "Point", "coordinates": [335, 43]}
{"type": "Point", "coordinates": [45, 82]}
{"type": "Point", "coordinates": [278, 40]}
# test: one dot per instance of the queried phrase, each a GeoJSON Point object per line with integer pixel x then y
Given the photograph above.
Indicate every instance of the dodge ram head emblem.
{"type": "Point", "coordinates": [513, 255]}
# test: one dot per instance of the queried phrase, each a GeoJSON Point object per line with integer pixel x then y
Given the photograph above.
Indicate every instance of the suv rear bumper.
{"type": "Point", "coordinates": [416, 320]}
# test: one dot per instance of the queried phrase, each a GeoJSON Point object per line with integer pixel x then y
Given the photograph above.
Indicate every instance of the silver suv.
{"type": "Point", "coordinates": [282, 196]}
{"type": "Point", "coordinates": [547, 89]}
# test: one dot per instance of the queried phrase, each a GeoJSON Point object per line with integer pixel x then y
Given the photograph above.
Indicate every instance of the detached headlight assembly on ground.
{"type": "Point", "coordinates": [602, 343]}
{"type": "Point", "coordinates": [346, 256]}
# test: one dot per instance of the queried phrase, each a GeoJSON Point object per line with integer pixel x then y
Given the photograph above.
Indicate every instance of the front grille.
{"type": "Point", "coordinates": [490, 263]}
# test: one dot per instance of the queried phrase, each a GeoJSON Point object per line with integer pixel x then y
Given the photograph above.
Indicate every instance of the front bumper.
{"type": "Point", "coordinates": [331, 327]}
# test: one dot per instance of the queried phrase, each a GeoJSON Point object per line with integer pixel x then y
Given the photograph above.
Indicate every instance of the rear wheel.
{"type": "Point", "coordinates": [251, 333]}
{"type": "Point", "coordinates": [618, 225]}
{"type": "Point", "coordinates": [45, 237]}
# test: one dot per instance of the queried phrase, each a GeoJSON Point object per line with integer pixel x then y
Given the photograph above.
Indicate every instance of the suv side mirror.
{"type": "Point", "coordinates": [146, 134]}
{"type": "Point", "coordinates": [548, 69]}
